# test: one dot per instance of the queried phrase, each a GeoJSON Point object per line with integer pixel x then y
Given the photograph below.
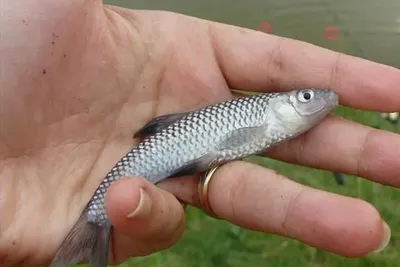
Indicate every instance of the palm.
{"type": "Point", "coordinates": [80, 121]}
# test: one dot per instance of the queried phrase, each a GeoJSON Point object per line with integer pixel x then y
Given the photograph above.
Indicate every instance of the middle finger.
{"type": "Point", "coordinates": [259, 199]}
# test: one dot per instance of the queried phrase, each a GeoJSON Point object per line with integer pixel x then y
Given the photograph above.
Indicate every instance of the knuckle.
{"type": "Point", "coordinates": [334, 80]}
{"type": "Point", "coordinates": [362, 159]}
{"type": "Point", "coordinates": [288, 209]}
{"type": "Point", "coordinates": [237, 189]}
{"type": "Point", "coordinates": [166, 220]}
{"type": "Point", "coordinates": [161, 237]}
{"type": "Point", "coordinates": [300, 151]}
{"type": "Point", "coordinates": [171, 236]}
{"type": "Point", "coordinates": [276, 64]}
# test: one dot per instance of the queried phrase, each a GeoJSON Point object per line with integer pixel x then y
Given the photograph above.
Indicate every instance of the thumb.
{"type": "Point", "coordinates": [141, 211]}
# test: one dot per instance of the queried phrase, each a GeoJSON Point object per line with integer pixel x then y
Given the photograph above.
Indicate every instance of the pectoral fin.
{"type": "Point", "coordinates": [234, 140]}
{"type": "Point", "coordinates": [242, 137]}
{"type": "Point", "coordinates": [158, 123]}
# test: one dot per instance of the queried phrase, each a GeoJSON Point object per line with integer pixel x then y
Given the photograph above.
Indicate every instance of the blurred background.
{"type": "Point", "coordinates": [363, 28]}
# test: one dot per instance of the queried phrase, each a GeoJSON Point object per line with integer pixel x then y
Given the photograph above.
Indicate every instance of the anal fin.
{"type": "Point", "coordinates": [195, 166]}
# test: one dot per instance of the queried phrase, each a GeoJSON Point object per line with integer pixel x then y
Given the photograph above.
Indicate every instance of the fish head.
{"type": "Point", "coordinates": [313, 103]}
{"type": "Point", "coordinates": [299, 110]}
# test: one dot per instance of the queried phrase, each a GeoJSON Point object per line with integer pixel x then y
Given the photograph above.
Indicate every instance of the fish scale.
{"type": "Point", "coordinates": [193, 142]}
{"type": "Point", "coordinates": [157, 150]}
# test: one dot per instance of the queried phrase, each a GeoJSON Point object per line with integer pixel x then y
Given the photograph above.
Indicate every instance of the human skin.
{"type": "Point", "coordinates": [77, 79]}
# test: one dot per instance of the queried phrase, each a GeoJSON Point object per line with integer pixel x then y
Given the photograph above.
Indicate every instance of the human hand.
{"type": "Point", "coordinates": [78, 80]}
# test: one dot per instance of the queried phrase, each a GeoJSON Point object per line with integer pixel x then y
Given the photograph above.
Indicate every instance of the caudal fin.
{"type": "Point", "coordinates": [85, 241]}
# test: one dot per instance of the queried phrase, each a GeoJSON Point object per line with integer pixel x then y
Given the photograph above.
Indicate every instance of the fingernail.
{"type": "Point", "coordinates": [386, 238]}
{"type": "Point", "coordinates": [143, 207]}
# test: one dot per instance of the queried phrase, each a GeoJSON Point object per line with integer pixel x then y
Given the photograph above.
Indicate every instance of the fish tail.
{"type": "Point", "coordinates": [85, 241]}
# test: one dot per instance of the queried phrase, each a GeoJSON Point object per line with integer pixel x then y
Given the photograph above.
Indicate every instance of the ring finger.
{"type": "Point", "coordinates": [259, 199]}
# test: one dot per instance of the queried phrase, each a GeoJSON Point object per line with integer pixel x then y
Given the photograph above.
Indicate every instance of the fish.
{"type": "Point", "coordinates": [192, 142]}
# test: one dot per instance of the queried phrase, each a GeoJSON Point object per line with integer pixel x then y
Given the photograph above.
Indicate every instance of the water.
{"type": "Point", "coordinates": [366, 28]}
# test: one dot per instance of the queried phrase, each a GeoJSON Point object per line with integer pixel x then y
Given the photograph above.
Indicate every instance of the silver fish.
{"type": "Point", "coordinates": [193, 142]}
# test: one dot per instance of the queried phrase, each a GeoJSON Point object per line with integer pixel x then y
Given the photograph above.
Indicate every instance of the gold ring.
{"type": "Point", "coordinates": [203, 188]}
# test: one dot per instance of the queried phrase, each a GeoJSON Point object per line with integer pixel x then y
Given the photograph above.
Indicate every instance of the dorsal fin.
{"type": "Point", "coordinates": [158, 123]}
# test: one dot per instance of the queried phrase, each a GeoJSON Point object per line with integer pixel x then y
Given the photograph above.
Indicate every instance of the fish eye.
{"type": "Point", "coordinates": [305, 95]}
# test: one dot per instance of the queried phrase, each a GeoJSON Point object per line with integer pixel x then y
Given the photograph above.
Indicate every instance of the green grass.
{"type": "Point", "coordinates": [212, 243]}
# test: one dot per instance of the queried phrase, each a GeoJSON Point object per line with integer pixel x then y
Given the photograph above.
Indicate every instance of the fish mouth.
{"type": "Point", "coordinates": [331, 102]}
{"type": "Point", "coordinates": [333, 99]}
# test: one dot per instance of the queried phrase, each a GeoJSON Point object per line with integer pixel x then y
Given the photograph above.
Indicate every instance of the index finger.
{"type": "Point", "coordinates": [253, 60]}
